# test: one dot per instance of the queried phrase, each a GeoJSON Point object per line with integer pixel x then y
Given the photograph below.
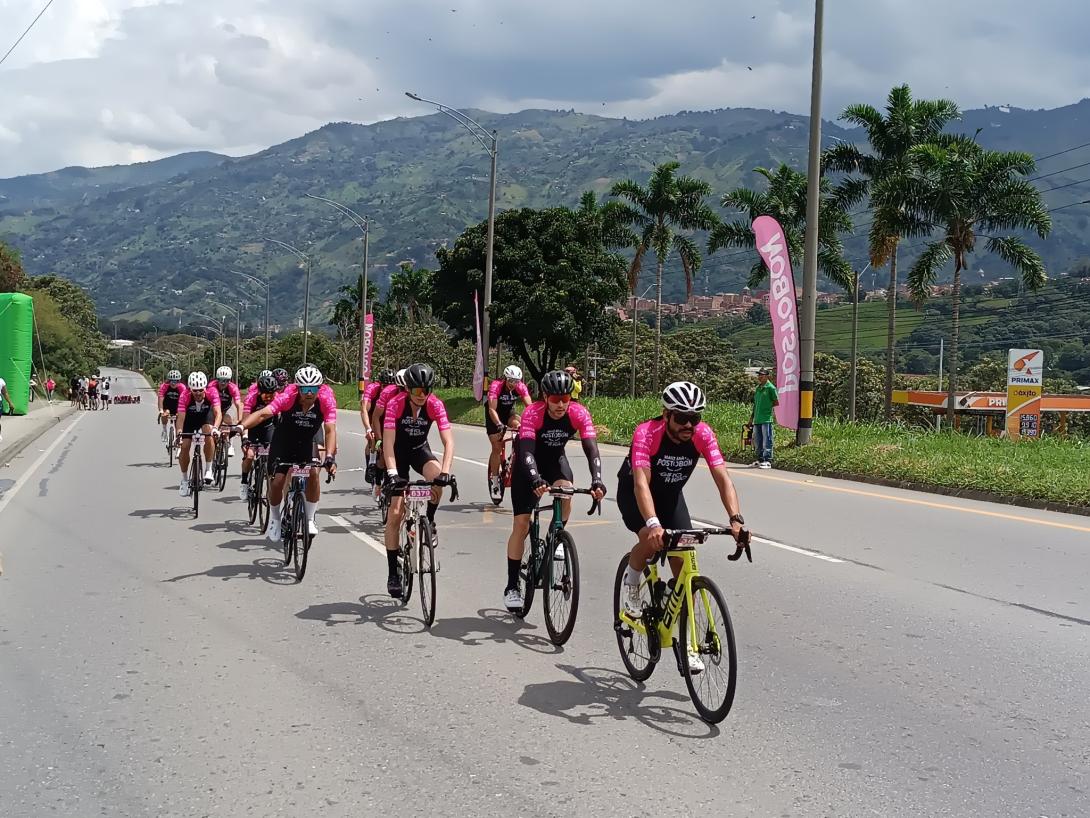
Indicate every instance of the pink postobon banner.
{"type": "Point", "coordinates": [785, 317]}
{"type": "Point", "coordinates": [368, 345]}
{"type": "Point", "coordinates": [478, 366]}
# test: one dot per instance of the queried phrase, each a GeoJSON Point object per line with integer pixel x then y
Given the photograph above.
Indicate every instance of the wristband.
{"type": "Point", "coordinates": [653, 522]}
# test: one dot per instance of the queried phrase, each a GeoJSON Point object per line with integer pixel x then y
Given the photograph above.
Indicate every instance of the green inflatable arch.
{"type": "Point", "coordinates": [16, 346]}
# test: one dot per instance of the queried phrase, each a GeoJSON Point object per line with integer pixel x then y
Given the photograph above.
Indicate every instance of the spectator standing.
{"type": "Point", "coordinates": [765, 399]}
{"type": "Point", "coordinates": [571, 370]}
{"type": "Point", "coordinates": [50, 385]}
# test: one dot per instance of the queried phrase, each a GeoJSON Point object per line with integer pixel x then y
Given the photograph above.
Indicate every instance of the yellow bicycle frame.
{"type": "Point", "coordinates": [682, 594]}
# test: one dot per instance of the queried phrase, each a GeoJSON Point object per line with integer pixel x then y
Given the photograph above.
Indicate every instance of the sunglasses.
{"type": "Point", "coordinates": [558, 398]}
{"type": "Point", "coordinates": [419, 391]}
{"type": "Point", "coordinates": [308, 390]}
{"type": "Point", "coordinates": [686, 418]}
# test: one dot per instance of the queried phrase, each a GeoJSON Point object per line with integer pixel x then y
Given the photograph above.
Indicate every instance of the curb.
{"type": "Point", "coordinates": [9, 455]}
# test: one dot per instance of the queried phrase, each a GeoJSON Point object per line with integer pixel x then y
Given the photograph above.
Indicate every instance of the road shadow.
{"type": "Point", "coordinates": [267, 569]}
{"type": "Point", "coordinates": [163, 513]}
{"type": "Point", "coordinates": [493, 625]}
{"type": "Point", "coordinates": [252, 545]}
{"type": "Point", "coordinates": [599, 695]}
{"type": "Point", "coordinates": [160, 464]}
{"type": "Point", "coordinates": [376, 609]}
{"type": "Point", "coordinates": [230, 526]}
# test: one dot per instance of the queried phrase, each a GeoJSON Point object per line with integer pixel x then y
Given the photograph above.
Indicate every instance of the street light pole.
{"type": "Point", "coordinates": [238, 319]}
{"type": "Point", "coordinates": [305, 257]}
{"type": "Point", "coordinates": [635, 324]}
{"type": "Point", "coordinates": [364, 224]}
{"type": "Point", "coordinates": [855, 345]}
{"type": "Point", "coordinates": [264, 284]}
{"type": "Point", "coordinates": [490, 142]}
{"type": "Point", "coordinates": [809, 276]}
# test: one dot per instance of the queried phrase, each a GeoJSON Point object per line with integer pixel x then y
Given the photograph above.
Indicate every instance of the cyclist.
{"type": "Point", "coordinates": [282, 378]}
{"type": "Point", "coordinates": [385, 396]}
{"type": "Point", "coordinates": [303, 408]}
{"type": "Point", "coordinates": [406, 423]}
{"type": "Point", "coordinates": [367, 403]}
{"type": "Point", "coordinates": [230, 400]}
{"type": "Point", "coordinates": [198, 410]}
{"type": "Point", "coordinates": [540, 462]}
{"type": "Point", "coordinates": [662, 457]}
{"type": "Point", "coordinates": [251, 390]}
{"type": "Point", "coordinates": [104, 388]}
{"type": "Point", "coordinates": [503, 394]}
{"type": "Point", "coordinates": [260, 396]}
{"type": "Point", "coordinates": [170, 391]}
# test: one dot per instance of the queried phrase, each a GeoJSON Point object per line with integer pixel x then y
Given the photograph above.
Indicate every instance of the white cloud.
{"type": "Point", "coordinates": [104, 81]}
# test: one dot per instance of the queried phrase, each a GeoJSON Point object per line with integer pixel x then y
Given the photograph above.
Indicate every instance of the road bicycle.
{"type": "Point", "coordinates": [499, 483]}
{"type": "Point", "coordinates": [219, 460]}
{"type": "Point", "coordinates": [552, 565]}
{"type": "Point", "coordinates": [294, 533]}
{"type": "Point", "coordinates": [417, 542]}
{"type": "Point", "coordinates": [196, 466]}
{"type": "Point", "coordinates": [171, 439]}
{"type": "Point", "coordinates": [688, 613]}
{"type": "Point", "coordinates": [257, 498]}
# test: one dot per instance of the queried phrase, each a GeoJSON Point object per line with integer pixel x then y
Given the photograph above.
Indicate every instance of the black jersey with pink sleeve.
{"type": "Point", "coordinates": [542, 438]}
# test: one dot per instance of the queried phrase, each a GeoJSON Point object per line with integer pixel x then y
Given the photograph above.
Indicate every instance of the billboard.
{"type": "Point", "coordinates": [1025, 378]}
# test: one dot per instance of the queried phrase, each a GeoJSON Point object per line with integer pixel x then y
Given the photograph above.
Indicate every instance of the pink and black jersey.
{"type": "Point", "coordinates": [194, 413]}
{"type": "Point", "coordinates": [371, 392]}
{"type": "Point", "coordinates": [412, 423]}
{"type": "Point", "coordinates": [671, 464]}
{"type": "Point", "coordinates": [171, 393]}
{"type": "Point", "coordinates": [226, 395]}
{"type": "Point", "coordinates": [287, 400]}
{"type": "Point", "coordinates": [386, 395]}
{"type": "Point", "coordinates": [542, 438]}
{"type": "Point", "coordinates": [506, 398]}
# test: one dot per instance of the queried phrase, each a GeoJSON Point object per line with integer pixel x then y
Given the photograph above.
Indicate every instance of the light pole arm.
{"type": "Point", "coordinates": [360, 221]}
{"type": "Point", "coordinates": [480, 133]}
{"type": "Point", "coordinates": [298, 253]}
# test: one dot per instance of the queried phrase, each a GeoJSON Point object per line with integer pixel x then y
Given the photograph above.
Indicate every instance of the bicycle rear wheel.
{"type": "Point", "coordinates": [561, 597]}
{"type": "Point", "coordinates": [426, 569]}
{"type": "Point", "coordinates": [301, 535]}
{"type": "Point", "coordinates": [639, 651]}
{"type": "Point", "coordinates": [711, 690]}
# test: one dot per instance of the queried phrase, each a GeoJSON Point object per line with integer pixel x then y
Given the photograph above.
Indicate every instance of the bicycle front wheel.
{"type": "Point", "coordinates": [426, 570]}
{"type": "Point", "coordinates": [561, 597]}
{"type": "Point", "coordinates": [301, 537]}
{"type": "Point", "coordinates": [638, 646]}
{"type": "Point", "coordinates": [170, 446]}
{"type": "Point", "coordinates": [528, 572]}
{"type": "Point", "coordinates": [405, 565]}
{"type": "Point", "coordinates": [221, 463]}
{"type": "Point", "coordinates": [711, 636]}
{"type": "Point", "coordinates": [262, 499]}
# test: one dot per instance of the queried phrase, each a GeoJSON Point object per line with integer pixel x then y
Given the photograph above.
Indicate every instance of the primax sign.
{"type": "Point", "coordinates": [1025, 375]}
{"type": "Point", "coordinates": [784, 312]}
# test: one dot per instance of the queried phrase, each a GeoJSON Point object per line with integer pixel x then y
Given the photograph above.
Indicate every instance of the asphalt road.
{"type": "Point", "coordinates": [901, 654]}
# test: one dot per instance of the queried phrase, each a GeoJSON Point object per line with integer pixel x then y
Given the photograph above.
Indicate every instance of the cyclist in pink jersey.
{"type": "Point", "coordinates": [499, 413]}
{"type": "Point", "coordinates": [540, 462]}
{"type": "Point", "coordinates": [251, 391]}
{"type": "Point", "coordinates": [303, 408]}
{"type": "Point", "coordinates": [170, 392]}
{"type": "Point", "coordinates": [407, 421]}
{"type": "Point", "coordinates": [259, 396]}
{"type": "Point", "coordinates": [230, 399]}
{"type": "Point", "coordinates": [663, 455]}
{"type": "Point", "coordinates": [198, 411]}
{"type": "Point", "coordinates": [368, 400]}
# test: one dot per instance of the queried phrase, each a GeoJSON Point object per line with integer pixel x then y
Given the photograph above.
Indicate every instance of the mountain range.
{"type": "Point", "coordinates": [154, 241]}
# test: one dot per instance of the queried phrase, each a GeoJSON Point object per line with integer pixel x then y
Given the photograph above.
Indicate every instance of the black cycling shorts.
{"type": "Point", "coordinates": [490, 427]}
{"type": "Point", "coordinates": [194, 423]}
{"type": "Point", "coordinates": [170, 406]}
{"type": "Point", "coordinates": [670, 509]}
{"type": "Point", "coordinates": [260, 435]}
{"type": "Point", "coordinates": [285, 454]}
{"type": "Point", "coordinates": [413, 457]}
{"type": "Point", "coordinates": [523, 499]}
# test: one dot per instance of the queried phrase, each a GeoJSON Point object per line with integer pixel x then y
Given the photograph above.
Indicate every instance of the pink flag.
{"type": "Point", "coordinates": [785, 321]}
{"type": "Point", "coordinates": [478, 366]}
{"type": "Point", "coordinates": [368, 345]}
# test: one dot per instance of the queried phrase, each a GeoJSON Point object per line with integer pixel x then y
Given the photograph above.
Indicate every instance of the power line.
{"type": "Point", "coordinates": [1061, 153]}
{"type": "Point", "coordinates": [28, 28]}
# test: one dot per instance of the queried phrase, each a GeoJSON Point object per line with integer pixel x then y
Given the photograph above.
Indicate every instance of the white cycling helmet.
{"type": "Point", "coordinates": [512, 373]}
{"type": "Point", "coordinates": [308, 376]}
{"type": "Point", "coordinates": [399, 378]}
{"type": "Point", "coordinates": [224, 373]}
{"type": "Point", "coordinates": [198, 380]}
{"type": "Point", "coordinates": [174, 376]}
{"type": "Point", "coordinates": [682, 396]}
{"type": "Point", "coordinates": [264, 373]}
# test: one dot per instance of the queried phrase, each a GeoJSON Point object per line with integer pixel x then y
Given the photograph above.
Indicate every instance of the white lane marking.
{"type": "Point", "coordinates": [805, 552]}
{"type": "Point", "coordinates": [474, 462]}
{"type": "Point", "coordinates": [359, 535]}
{"type": "Point", "coordinates": [10, 493]}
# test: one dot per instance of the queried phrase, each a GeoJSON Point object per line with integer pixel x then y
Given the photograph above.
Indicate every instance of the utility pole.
{"type": "Point", "coordinates": [855, 345]}
{"type": "Point", "coordinates": [809, 278]}
{"type": "Point", "coordinates": [593, 358]}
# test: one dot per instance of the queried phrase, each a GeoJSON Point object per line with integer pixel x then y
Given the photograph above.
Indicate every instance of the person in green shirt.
{"type": "Point", "coordinates": [765, 399]}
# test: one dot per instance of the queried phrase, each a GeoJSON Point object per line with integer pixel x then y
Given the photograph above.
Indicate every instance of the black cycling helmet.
{"type": "Point", "coordinates": [267, 383]}
{"type": "Point", "coordinates": [281, 375]}
{"type": "Point", "coordinates": [386, 377]}
{"type": "Point", "coordinates": [557, 382]}
{"type": "Point", "coordinates": [419, 376]}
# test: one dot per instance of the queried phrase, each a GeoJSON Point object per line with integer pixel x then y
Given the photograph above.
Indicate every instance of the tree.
{"type": "Point", "coordinates": [670, 203]}
{"type": "Point", "coordinates": [346, 319]}
{"type": "Point", "coordinates": [907, 124]}
{"type": "Point", "coordinates": [410, 292]}
{"type": "Point", "coordinates": [785, 201]}
{"type": "Point", "coordinates": [966, 192]}
{"type": "Point", "coordinates": [12, 277]}
{"type": "Point", "coordinates": [78, 310]}
{"type": "Point", "coordinates": [551, 285]}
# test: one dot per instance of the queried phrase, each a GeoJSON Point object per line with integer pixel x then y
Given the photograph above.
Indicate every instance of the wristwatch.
{"type": "Point", "coordinates": [737, 518]}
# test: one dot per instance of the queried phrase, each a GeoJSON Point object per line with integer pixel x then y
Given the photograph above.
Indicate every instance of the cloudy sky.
{"type": "Point", "coordinates": [109, 81]}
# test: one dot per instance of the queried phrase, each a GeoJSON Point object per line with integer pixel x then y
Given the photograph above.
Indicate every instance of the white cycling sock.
{"type": "Point", "coordinates": [311, 509]}
{"type": "Point", "coordinates": [632, 576]}
{"type": "Point", "coordinates": [274, 513]}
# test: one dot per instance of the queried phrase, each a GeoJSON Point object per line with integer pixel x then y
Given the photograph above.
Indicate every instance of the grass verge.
{"type": "Point", "coordinates": [1045, 471]}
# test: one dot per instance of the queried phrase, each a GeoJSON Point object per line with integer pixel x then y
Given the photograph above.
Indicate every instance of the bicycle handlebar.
{"type": "Point", "coordinates": [674, 536]}
{"type": "Point", "coordinates": [313, 464]}
{"type": "Point", "coordinates": [399, 490]}
{"type": "Point", "coordinates": [571, 491]}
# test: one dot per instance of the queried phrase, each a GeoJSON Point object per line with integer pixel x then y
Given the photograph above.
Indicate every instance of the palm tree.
{"type": "Point", "coordinates": [655, 214]}
{"type": "Point", "coordinates": [411, 291]}
{"type": "Point", "coordinates": [603, 223]}
{"type": "Point", "coordinates": [346, 312]}
{"type": "Point", "coordinates": [966, 192]}
{"type": "Point", "coordinates": [906, 124]}
{"type": "Point", "coordinates": [785, 201]}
